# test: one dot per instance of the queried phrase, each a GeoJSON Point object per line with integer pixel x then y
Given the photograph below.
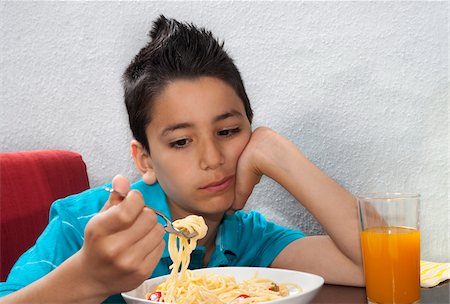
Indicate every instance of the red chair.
{"type": "Point", "coordinates": [29, 183]}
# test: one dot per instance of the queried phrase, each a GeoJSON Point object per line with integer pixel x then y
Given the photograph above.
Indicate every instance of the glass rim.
{"type": "Point", "coordinates": [388, 196]}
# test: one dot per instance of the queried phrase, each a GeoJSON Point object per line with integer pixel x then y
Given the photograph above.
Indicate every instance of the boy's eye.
{"type": "Point", "coordinates": [228, 132]}
{"type": "Point", "coordinates": [180, 143]}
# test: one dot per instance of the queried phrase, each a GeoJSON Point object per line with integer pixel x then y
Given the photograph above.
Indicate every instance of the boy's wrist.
{"type": "Point", "coordinates": [86, 287]}
{"type": "Point", "coordinates": [278, 157]}
{"type": "Point", "coordinates": [68, 283]}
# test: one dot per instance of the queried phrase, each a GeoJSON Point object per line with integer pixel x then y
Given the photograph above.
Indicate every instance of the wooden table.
{"type": "Point", "coordinates": [341, 294]}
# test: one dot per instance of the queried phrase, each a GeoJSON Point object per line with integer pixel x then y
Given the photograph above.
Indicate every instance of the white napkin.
{"type": "Point", "coordinates": [432, 273]}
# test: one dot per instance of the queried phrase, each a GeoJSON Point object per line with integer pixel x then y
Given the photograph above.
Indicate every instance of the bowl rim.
{"type": "Point", "coordinates": [318, 280]}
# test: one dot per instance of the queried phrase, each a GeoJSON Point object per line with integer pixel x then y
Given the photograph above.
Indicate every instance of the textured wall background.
{"type": "Point", "coordinates": [360, 87]}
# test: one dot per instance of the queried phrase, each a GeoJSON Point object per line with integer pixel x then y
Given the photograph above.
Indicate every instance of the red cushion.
{"type": "Point", "coordinates": [29, 183]}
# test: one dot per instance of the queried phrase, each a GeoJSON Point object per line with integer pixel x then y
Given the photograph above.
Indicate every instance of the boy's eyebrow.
{"type": "Point", "coordinates": [174, 127]}
{"type": "Point", "coordinates": [226, 115]}
{"type": "Point", "coordinates": [184, 125]}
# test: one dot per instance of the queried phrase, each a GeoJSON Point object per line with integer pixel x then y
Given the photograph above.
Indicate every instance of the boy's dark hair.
{"type": "Point", "coordinates": [175, 51]}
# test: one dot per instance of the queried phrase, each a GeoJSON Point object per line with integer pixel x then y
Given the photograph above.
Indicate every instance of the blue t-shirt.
{"type": "Point", "coordinates": [243, 239]}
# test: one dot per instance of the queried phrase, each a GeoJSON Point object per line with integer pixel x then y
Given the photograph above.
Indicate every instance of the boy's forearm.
{"type": "Point", "coordinates": [333, 206]}
{"type": "Point", "coordinates": [65, 284]}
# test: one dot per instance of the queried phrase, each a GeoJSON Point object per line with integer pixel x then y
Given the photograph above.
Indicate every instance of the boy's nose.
{"type": "Point", "coordinates": [211, 156]}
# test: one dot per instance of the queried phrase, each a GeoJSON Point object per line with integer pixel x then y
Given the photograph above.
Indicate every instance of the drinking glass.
{"type": "Point", "coordinates": [390, 242]}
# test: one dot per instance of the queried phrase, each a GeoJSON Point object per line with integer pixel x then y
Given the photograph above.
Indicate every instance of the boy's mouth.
{"type": "Point", "coordinates": [219, 185]}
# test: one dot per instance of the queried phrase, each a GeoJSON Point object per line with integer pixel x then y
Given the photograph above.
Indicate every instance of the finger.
{"type": "Point", "coordinates": [148, 243]}
{"type": "Point", "coordinates": [144, 267]}
{"type": "Point", "coordinates": [135, 256]}
{"type": "Point", "coordinates": [151, 259]}
{"type": "Point", "coordinates": [143, 225]}
{"type": "Point", "coordinates": [245, 182]}
{"type": "Point", "coordinates": [231, 210]}
{"type": "Point", "coordinates": [122, 216]}
{"type": "Point", "coordinates": [120, 184]}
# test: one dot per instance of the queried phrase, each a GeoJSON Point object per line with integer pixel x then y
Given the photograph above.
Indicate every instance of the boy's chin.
{"type": "Point", "coordinates": [217, 209]}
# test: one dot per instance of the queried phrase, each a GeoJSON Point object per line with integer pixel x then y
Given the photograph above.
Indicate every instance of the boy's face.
{"type": "Point", "coordinates": [198, 131]}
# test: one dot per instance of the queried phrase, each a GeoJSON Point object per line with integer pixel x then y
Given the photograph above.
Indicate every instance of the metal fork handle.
{"type": "Point", "coordinates": [168, 227]}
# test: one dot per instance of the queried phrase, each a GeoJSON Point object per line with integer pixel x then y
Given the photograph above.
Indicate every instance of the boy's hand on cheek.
{"type": "Point", "coordinates": [123, 243]}
{"type": "Point", "coordinates": [265, 154]}
{"type": "Point", "coordinates": [251, 166]}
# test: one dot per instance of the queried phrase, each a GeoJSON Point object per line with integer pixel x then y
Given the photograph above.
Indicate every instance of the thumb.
{"type": "Point", "coordinates": [120, 184]}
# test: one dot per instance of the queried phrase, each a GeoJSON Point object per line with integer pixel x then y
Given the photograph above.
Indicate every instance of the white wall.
{"type": "Point", "coordinates": [360, 87]}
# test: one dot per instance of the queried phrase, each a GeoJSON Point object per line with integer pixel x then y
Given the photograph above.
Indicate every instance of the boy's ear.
{"type": "Point", "coordinates": [143, 162]}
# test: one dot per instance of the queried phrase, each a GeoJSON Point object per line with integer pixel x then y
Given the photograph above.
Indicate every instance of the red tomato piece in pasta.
{"type": "Point", "coordinates": [155, 296]}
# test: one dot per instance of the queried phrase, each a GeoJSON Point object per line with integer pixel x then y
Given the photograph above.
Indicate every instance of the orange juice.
{"type": "Point", "coordinates": [391, 264]}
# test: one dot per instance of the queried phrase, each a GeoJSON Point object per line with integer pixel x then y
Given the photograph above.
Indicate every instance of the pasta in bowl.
{"type": "Point", "coordinates": [222, 285]}
{"type": "Point", "coordinates": [301, 286]}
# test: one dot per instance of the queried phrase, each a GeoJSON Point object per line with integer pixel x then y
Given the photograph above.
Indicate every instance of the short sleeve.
{"type": "Point", "coordinates": [61, 239]}
{"type": "Point", "coordinates": [261, 240]}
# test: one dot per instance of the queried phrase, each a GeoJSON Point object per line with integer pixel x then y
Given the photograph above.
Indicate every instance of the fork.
{"type": "Point", "coordinates": [169, 227]}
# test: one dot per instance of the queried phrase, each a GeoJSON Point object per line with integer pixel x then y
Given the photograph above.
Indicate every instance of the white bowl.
{"type": "Point", "coordinates": [310, 283]}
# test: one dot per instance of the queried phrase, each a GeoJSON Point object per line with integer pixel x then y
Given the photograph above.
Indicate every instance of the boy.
{"type": "Point", "coordinates": [193, 145]}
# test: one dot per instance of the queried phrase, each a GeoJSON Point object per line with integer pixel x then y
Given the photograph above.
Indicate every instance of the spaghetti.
{"type": "Point", "coordinates": [186, 287]}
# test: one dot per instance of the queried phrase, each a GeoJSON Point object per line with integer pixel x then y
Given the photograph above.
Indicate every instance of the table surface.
{"type": "Point", "coordinates": [343, 294]}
